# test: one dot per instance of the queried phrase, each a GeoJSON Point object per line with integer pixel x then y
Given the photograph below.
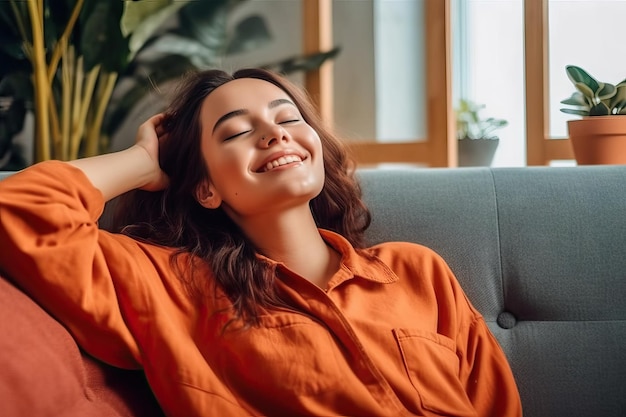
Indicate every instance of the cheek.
{"type": "Point", "coordinates": [224, 160]}
{"type": "Point", "coordinates": [318, 149]}
{"type": "Point", "coordinates": [313, 141]}
{"type": "Point", "coordinates": [228, 168]}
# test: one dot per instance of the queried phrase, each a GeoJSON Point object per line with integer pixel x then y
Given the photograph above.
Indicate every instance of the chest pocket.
{"type": "Point", "coordinates": [433, 367]}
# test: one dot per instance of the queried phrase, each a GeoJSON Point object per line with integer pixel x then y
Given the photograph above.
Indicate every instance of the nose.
{"type": "Point", "coordinates": [272, 136]}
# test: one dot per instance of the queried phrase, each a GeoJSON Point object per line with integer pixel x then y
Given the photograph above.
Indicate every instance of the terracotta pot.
{"type": "Point", "coordinates": [598, 139]}
{"type": "Point", "coordinates": [477, 152]}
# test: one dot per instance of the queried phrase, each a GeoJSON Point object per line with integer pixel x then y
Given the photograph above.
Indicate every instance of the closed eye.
{"type": "Point", "coordinates": [236, 135]}
{"type": "Point", "coordinates": [288, 121]}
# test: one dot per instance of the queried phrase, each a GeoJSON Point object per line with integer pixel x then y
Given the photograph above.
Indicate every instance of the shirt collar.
{"type": "Point", "coordinates": [354, 264]}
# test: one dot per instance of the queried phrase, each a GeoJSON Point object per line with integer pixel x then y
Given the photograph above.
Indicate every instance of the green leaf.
{"type": "Point", "coordinates": [605, 91]}
{"type": "Point", "coordinates": [576, 112]}
{"type": "Point", "coordinates": [576, 99]}
{"type": "Point", "coordinates": [137, 11]}
{"type": "Point", "coordinates": [618, 101]}
{"type": "Point", "coordinates": [618, 107]}
{"type": "Point", "coordinates": [102, 41]}
{"type": "Point", "coordinates": [469, 123]}
{"type": "Point", "coordinates": [250, 33]}
{"type": "Point", "coordinates": [600, 109]}
{"type": "Point", "coordinates": [303, 62]}
{"type": "Point", "coordinates": [496, 122]}
{"type": "Point", "coordinates": [141, 19]}
{"type": "Point", "coordinates": [588, 94]}
{"type": "Point", "coordinates": [200, 35]}
{"type": "Point", "coordinates": [577, 75]}
{"type": "Point", "coordinates": [206, 21]}
{"type": "Point", "coordinates": [175, 44]}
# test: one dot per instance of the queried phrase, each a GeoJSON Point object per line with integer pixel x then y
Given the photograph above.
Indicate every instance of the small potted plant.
{"type": "Point", "coordinates": [477, 143]}
{"type": "Point", "coordinates": [599, 137]}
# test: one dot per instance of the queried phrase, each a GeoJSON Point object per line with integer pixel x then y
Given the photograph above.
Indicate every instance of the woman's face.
{"type": "Point", "coordinates": [260, 153]}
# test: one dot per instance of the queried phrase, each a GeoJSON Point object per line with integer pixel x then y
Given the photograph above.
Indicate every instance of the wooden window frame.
{"type": "Point", "coordinates": [540, 148]}
{"type": "Point", "coordinates": [439, 148]}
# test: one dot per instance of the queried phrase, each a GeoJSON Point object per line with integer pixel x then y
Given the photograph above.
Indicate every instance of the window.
{"type": "Point", "coordinates": [488, 69]}
{"type": "Point", "coordinates": [513, 55]}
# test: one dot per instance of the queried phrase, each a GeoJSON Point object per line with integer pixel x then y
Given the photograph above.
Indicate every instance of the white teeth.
{"type": "Point", "coordinates": [283, 160]}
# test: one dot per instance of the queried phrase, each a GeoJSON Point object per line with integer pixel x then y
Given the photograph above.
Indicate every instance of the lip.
{"type": "Point", "coordinates": [261, 167]}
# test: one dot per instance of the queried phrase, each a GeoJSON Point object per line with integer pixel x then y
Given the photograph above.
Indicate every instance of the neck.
{"type": "Point", "coordinates": [292, 237]}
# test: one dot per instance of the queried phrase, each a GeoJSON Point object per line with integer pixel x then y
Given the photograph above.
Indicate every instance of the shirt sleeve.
{"type": "Point", "coordinates": [483, 367]}
{"type": "Point", "coordinates": [51, 247]}
{"type": "Point", "coordinates": [484, 370]}
{"type": "Point", "coordinates": [486, 374]}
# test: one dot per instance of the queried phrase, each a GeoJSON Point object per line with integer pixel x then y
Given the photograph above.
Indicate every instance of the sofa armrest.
{"type": "Point", "coordinates": [44, 373]}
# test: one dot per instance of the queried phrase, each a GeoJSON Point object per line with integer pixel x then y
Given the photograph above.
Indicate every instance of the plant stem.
{"type": "Point", "coordinates": [40, 80]}
{"type": "Point", "coordinates": [93, 131]}
{"type": "Point", "coordinates": [67, 70]}
{"type": "Point", "coordinates": [55, 129]}
{"type": "Point", "coordinates": [79, 80]}
{"type": "Point", "coordinates": [61, 45]}
{"type": "Point", "coordinates": [77, 134]}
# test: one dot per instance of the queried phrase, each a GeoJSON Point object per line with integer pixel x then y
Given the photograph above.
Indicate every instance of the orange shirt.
{"type": "Point", "coordinates": [390, 337]}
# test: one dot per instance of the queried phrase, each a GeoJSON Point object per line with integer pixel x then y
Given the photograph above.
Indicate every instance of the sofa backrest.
{"type": "Point", "coordinates": [541, 252]}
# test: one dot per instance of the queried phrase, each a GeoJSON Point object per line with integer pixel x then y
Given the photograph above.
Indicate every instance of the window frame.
{"type": "Point", "coordinates": [439, 148]}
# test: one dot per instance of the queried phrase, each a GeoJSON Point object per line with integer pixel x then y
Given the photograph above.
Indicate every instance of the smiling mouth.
{"type": "Point", "coordinates": [278, 162]}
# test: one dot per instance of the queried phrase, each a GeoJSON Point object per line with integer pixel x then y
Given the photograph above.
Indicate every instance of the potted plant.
{"type": "Point", "coordinates": [599, 137]}
{"type": "Point", "coordinates": [477, 143]}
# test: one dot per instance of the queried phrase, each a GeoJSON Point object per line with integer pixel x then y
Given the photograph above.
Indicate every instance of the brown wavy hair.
{"type": "Point", "coordinates": [174, 218]}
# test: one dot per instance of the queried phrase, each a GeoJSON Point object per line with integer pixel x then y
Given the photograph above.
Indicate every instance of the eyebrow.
{"type": "Point", "coordinates": [272, 104]}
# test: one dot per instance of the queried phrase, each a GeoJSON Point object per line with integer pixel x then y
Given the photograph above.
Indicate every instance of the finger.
{"type": "Point", "coordinates": [157, 121]}
{"type": "Point", "coordinates": [157, 118]}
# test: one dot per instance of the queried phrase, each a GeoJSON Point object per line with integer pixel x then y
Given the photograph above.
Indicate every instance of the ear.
{"type": "Point", "coordinates": [207, 196]}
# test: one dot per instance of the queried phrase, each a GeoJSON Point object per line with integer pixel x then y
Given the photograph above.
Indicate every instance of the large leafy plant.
{"type": "Point", "coordinates": [81, 65]}
{"type": "Point", "coordinates": [594, 98]}
{"type": "Point", "coordinates": [62, 58]}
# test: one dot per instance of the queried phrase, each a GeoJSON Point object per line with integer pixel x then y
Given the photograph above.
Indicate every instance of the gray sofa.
{"type": "Point", "coordinates": [540, 251]}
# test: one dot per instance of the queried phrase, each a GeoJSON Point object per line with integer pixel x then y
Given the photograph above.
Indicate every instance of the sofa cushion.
{"type": "Point", "coordinates": [45, 374]}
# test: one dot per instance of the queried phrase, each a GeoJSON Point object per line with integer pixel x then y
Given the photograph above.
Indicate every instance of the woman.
{"type": "Point", "coordinates": [240, 283]}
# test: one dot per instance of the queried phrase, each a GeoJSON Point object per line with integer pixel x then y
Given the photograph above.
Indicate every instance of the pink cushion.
{"type": "Point", "coordinates": [43, 372]}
